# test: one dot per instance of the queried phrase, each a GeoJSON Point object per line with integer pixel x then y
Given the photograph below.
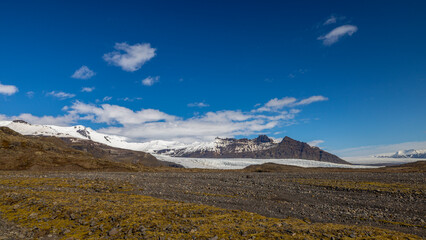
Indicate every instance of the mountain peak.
{"type": "Point", "coordinates": [263, 139]}
{"type": "Point", "coordinates": [288, 139]}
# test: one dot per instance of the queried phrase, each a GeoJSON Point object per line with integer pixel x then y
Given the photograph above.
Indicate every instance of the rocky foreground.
{"type": "Point", "coordinates": [296, 204]}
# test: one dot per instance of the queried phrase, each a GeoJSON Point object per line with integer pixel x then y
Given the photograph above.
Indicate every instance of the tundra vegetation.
{"type": "Point", "coordinates": [71, 208]}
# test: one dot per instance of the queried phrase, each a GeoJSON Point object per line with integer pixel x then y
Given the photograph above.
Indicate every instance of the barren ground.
{"type": "Point", "coordinates": [358, 200]}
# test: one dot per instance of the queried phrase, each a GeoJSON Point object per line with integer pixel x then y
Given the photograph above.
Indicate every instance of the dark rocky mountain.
{"type": "Point", "coordinates": [263, 147]}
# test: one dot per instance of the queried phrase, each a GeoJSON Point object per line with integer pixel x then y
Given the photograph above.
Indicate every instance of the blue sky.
{"type": "Point", "coordinates": [345, 73]}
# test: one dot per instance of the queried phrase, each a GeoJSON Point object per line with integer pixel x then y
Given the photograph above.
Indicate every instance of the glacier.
{"type": "Point", "coordinates": [240, 163]}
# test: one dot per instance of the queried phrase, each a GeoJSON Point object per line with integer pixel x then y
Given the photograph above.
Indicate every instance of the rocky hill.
{"type": "Point", "coordinates": [103, 151]}
{"type": "Point", "coordinates": [18, 152]}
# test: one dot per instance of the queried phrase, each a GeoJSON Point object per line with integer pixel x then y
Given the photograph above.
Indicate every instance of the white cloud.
{"type": "Point", "coordinates": [198, 104]}
{"type": "Point", "coordinates": [315, 143]}
{"type": "Point", "coordinates": [83, 73]}
{"type": "Point", "coordinates": [8, 89]}
{"type": "Point", "coordinates": [64, 120]}
{"type": "Point", "coordinates": [149, 81]}
{"type": "Point", "coordinates": [88, 89]}
{"type": "Point", "coordinates": [113, 114]}
{"type": "Point", "coordinates": [310, 100]}
{"type": "Point", "coordinates": [60, 95]}
{"type": "Point", "coordinates": [127, 99]}
{"type": "Point", "coordinates": [202, 128]}
{"type": "Point", "coordinates": [106, 98]}
{"type": "Point", "coordinates": [130, 57]}
{"type": "Point", "coordinates": [330, 20]}
{"type": "Point", "coordinates": [276, 104]}
{"type": "Point", "coordinates": [30, 94]}
{"type": "Point", "coordinates": [336, 34]}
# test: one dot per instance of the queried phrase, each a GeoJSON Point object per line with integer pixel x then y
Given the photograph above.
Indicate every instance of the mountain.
{"type": "Point", "coordinates": [222, 148]}
{"type": "Point", "coordinates": [106, 152]}
{"type": "Point", "coordinates": [85, 133]}
{"type": "Point", "coordinates": [410, 153]}
{"type": "Point", "coordinates": [261, 147]}
{"type": "Point", "coordinates": [18, 152]}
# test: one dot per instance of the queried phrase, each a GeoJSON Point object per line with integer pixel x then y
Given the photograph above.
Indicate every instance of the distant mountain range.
{"type": "Point", "coordinates": [410, 153]}
{"type": "Point", "coordinates": [261, 147]}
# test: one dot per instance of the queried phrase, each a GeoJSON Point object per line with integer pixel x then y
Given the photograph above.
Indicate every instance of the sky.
{"type": "Point", "coordinates": [337, 74]}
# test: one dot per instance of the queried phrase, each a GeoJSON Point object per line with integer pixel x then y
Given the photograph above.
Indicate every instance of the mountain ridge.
{"type": "Point", "coordinates": [409, 153]}
{"type": "Point", "coordinates": [259, 147]}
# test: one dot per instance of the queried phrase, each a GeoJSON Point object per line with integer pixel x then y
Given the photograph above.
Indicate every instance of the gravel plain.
{"type": "Point", "coordinates": [394, 201]}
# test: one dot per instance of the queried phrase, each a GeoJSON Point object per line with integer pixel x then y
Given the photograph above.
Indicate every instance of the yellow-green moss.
{"type": "Point", "coordinates": [85, 209]}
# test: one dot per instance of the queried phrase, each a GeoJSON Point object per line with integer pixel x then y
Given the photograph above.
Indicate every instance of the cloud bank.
{"type": "Point", "coordinates": [64, 120]}
{"type": "Point", "coordinates": [153, 124]}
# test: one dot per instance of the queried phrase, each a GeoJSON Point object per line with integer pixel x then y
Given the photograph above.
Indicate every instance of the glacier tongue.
{"type": "Point", "coordinates": [240, 163]}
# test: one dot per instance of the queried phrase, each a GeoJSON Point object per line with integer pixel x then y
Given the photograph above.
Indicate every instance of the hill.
{"type": "Point", "coordinates": [18, 152]}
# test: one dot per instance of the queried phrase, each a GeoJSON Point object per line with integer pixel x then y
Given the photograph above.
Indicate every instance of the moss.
{"type": "Point", "coordinates": [363, 185]}
{"type": "Point", "coordinates": [86, 209]}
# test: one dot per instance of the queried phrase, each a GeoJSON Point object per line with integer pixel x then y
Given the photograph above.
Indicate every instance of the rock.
{"type": "Point", "coordinates": [113, 232]}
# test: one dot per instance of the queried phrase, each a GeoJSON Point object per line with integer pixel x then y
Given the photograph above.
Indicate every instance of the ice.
{"type": "Point", "coordinates": [240, 163]}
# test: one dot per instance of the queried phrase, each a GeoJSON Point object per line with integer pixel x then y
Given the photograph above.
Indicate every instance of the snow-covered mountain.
{"type": "Point", "coordinates": [82, 132]}
{"type": "Point", "coordinates": [171, 148]}
{"type": "Point", "coordinates": [222, 147]}
{"type": "Point", "coordinates": [410, 153]}
{"type": "Point", "coordinates": [261, 147]}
